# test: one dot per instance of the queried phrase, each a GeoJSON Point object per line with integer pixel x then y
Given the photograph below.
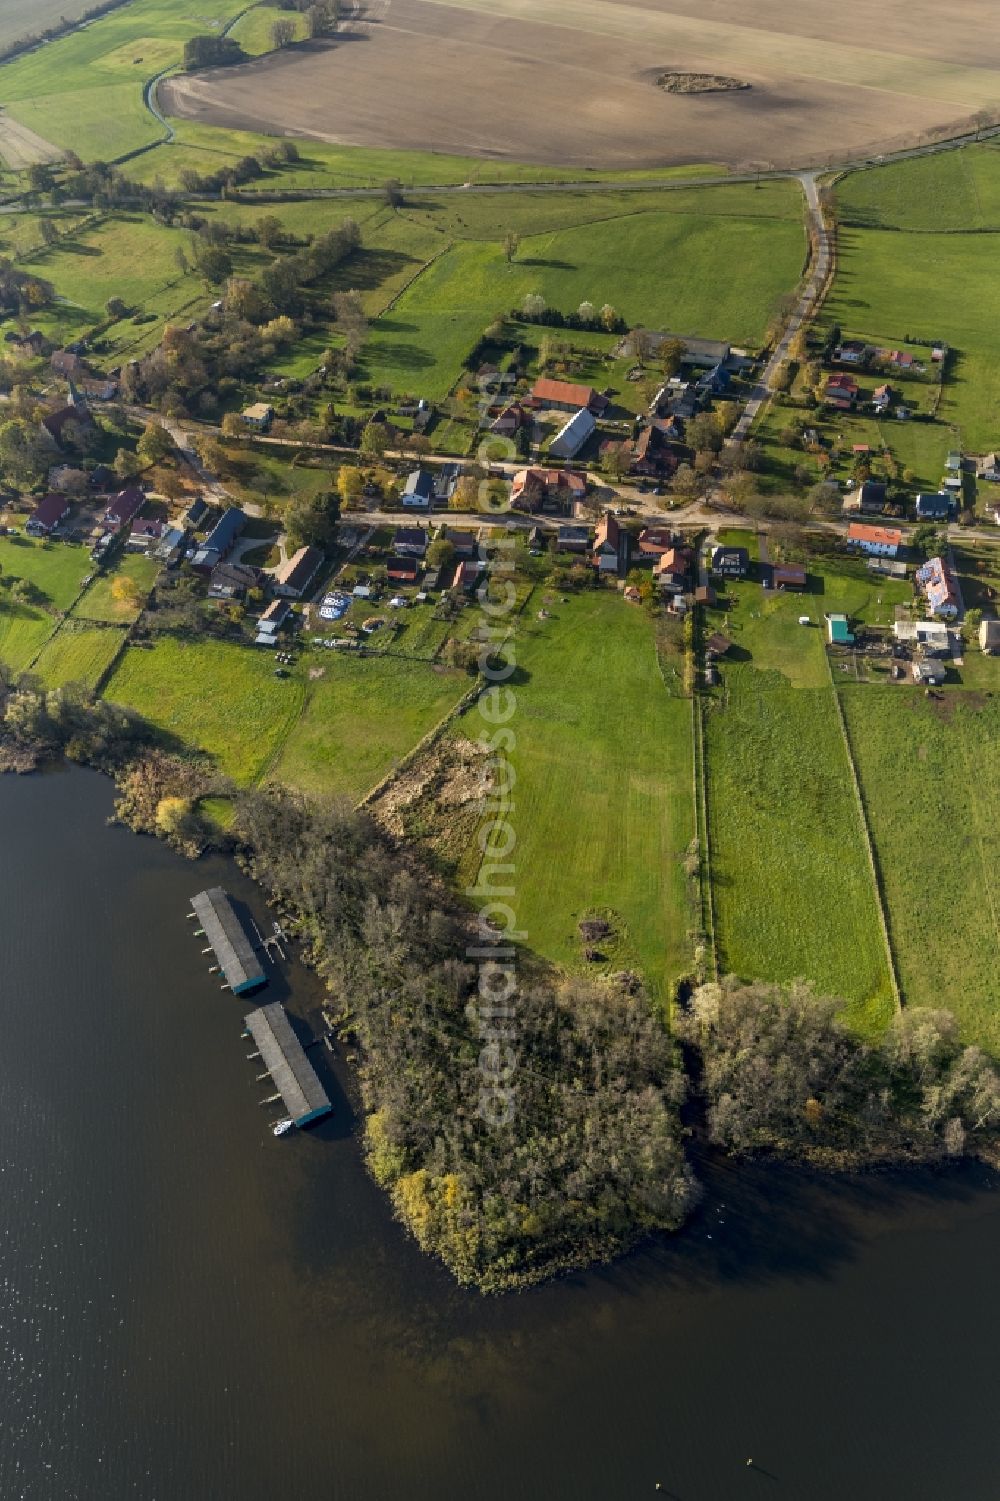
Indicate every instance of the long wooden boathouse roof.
{"type": "Point", "coordinates": [226, 934]}
{"type": "Point", "coordinates": [304, 1096]}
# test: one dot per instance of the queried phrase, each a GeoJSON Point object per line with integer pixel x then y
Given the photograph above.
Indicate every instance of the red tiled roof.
{"type": "Point", "coordinates": [889, 536]}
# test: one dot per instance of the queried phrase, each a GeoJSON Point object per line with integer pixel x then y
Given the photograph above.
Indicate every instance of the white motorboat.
{"type": "Point", "coordinates": [281, 1127]}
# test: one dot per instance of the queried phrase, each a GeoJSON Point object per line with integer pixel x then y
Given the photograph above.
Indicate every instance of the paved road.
{"type": "Point", "coordinates": [808, 304]}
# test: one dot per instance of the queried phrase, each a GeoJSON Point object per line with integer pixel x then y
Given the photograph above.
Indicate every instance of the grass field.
{"type": "Point", "coordinates": [953, 190]}
{"type": "Point", "coordinates": [793, 889]}
{"type": "Point", "coordinates": [213, 696]}
{"type": "Point", "coordinates": [78, 654]}
{"type": "Point", "coordinates": [207, 148]}
{"type": "Point", "coordinates": [360, 718]}
{"type": "Point", "coordinates": [720, 277]}
{"type": "Point", "coordinates": [127, 256]}
{"type": "Point", "coordinates": [55, 569]}
{"type": "Point", "coordinates": [84, 92]}
{"type": "Point", "coordinates": [604, 802]}
{"type": "Point", "coordinates": [99, 602]}
{"type": "Point", "coordinates": [254, 30]}
{"type": "Point", "coordinates": [930, 286]}
{"type": "Point", "coordinates": [930, 772]}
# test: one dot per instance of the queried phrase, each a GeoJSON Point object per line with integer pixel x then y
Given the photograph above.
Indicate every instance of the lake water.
{"type": "Point", "coordinates": [191, 1309]}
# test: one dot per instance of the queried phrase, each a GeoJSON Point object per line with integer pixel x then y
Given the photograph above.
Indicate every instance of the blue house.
{"type": "Point", "coordinates": [220, 540]}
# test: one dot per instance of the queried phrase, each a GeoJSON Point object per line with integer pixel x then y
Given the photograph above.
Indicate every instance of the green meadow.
{"type": "Point", "coordinates": [720, 277]}
{"type": "Point", "coordinates": [215, 697]}
{"type": "Point", "coordinates": [603, 807]}
{"type": "Point", "coordinates": [99, 602]}
{"type": "Point", "coordinates": [84, 92]}
{"type": "Point", "coordinates": [793, 889]}
{"type": "Point", "coordinates": [930, 770]}
{"type": "Point", "coordinates": [930, 286]}
{"type": "Point", "coordinates": [360, 718]}
{"type": "Point", "coordinates": [956, 190]}
{"type": "Point", "coordinates": [78, 654]}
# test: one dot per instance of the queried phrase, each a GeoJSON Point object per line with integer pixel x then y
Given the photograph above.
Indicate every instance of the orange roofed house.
{"type": "Point", "coordinates": [552, 490]}
{"type": "Point", "coordinates": [877, 541]}
{"type": "Point", "coordinates": [564, 396]}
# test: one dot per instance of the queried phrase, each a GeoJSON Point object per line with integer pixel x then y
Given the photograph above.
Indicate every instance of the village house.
{"type": "Point", "coordinates": [868, 499]}
{"type": "Point", "coordinates": [171, 544]}
{"type": "Point", "coordinates": [940, 588]}
{"type": "Point", "coordinates": [788, 576]}
{"type": "Point", "coordinates": [717, 645]}
{"type": "Point", "coordinates": [928, 636]}
{"type": "Point", "coordinates": [704, 595]}
{"type": "Point", "coordinates": [926, 672]}
{"type": "Point", "coordinates": [403, 570]}
{"type": "Point", "coordinates": [989, 636]}
{"type": "Point", "coordinates": [464, 543]}
{"type": "Point", "coordinates": [573, 435]}
{"type": "Point", "coordinates": [852, 352]}
{"type": "Point", "coordinates": [296, 573]}
{"type": "Point", "coordinates": [47, 515]}
{"type": "Point", "coordinates": [988, 468]}
{"type": "Point", "coordinates": [509, 420]}
{"type": "Point", "coordinates": [672, 569]}
{"type": "Point", "coordinates": [195, 514]}
{"type": "Point", "coordinates": [409, 541]}
{"type": "Point", "coordinates": [702, 354]}
{"type": "Point", "coordinates": [841, 391]}
{"type": "Point", "coordinates": [611, 546]}
{"type": "Point", "coordinates": [654, 541]}
{"type": "Point", "coordinates": [563, 396]}
{"type": "Point", "coordinates": [124, 508]}
{"type": "Point", "coordinates": [466, 577]}
{"type": "Point", "coordinates": [648, 453]}
{"type": "Point", "coordinates": [233, 581]}
{"type": "Point", "coordinates": [143, 535]}
{"type": "Point", "coordinates": [573, 539]}
{"type": "Point", "coordinates": [418, 492]}
{"type": "Point", "coordinates": [549, 490]}
{"type": "Point", "coordinates": [66, 363]}
{"type": "Point", "coordinates": [57, 427]}
{"type": "Point", "coordinates": [731, 562]}
{"type": "Point", "coordinates": [882, 399]}
{"type": "Point", "coordinates": [220, 541]}
{"type": "Point", "coordinates": [271, 622]}
{"type": "Point", "coordinates": [882, 541]}
{"type": "Point", "coordinates": [937, 507]}
{"type": "Point", "coordinates": [258, 417]}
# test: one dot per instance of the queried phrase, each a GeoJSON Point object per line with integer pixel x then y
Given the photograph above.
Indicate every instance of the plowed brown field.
{"type": "Point", "coordinates": [573, 82]}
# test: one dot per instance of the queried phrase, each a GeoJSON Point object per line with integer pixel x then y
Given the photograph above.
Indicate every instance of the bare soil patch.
{"type": "Point", "coordinates": [569, 82]}
{"type": "Point", "coordinates": [21, 147]}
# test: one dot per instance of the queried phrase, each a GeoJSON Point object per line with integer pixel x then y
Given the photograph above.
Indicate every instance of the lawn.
{"type": "Point", "coordinates": [78, 654]}
{"type": "Point", "coordinates": [930, 770]}
{"type": "Point", "coordinates": [84, 92]}
{"type": "Point", "coordinates": [99, 602]}
{"type": "Point", "coordinates": [360, 718]}
{"type": "Point", "coordinates": [205, 148]}
{"type": "Point", "coordinates": [720, 277]}
{"type": "Point", "coordinates": [56, 569]}
{"type": "Point", "coordinates": [23, 631]}
{"type": "Point", "coordinates": [950, 190]}
{"type": "Point", "coordinates": [793, 889]}
{"type": "Point", "coordinates": [603, 810]}
{"type": "Point", "coordinates": [213, 696]}
{"type": "Point", "coordinates": [930, 286]}
{"type": "Point", "coordinates": [254, 30]}
{"type": "Point", "coordinates": [127, 256]}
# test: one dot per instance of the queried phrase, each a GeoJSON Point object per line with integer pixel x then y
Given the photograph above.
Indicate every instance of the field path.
{"type": "Point", "coordinates": [21, 147]}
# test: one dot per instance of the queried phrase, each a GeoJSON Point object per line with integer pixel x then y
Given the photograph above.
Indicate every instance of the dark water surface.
{"type": "Point", "coordinates": [191, 1309]}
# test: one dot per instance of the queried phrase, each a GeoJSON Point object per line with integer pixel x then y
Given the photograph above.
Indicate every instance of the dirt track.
{"type": "Point", "coordinates": [21, 147]}
{"type": "Point", "coordinates": [572, 82]}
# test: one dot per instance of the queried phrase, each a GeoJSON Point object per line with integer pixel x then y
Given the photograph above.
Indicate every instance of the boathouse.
{"type": "Point", "coordinates": [229, 940]}
{"type": "Point", "coordinates": [304, 1097]}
